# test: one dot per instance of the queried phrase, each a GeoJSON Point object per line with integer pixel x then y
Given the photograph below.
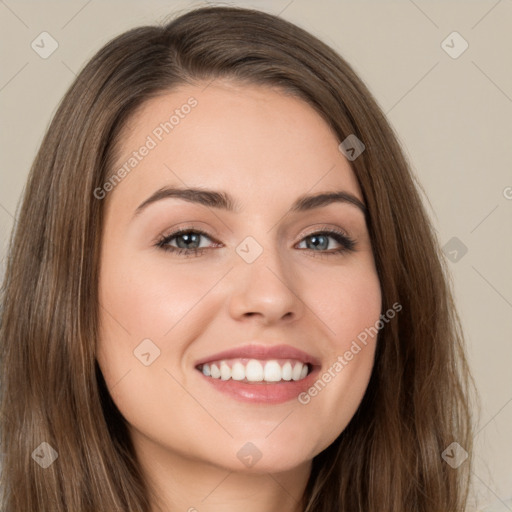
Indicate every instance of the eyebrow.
{"type": "Point", "coordinates": [224, 201]}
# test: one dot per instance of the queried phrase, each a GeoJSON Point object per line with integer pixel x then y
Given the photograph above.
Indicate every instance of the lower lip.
{"type": "Point", "coordinates": [263, 392]}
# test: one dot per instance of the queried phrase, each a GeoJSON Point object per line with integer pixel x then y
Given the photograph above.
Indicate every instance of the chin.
{"type": "Point", "coordinates": [265, 456]}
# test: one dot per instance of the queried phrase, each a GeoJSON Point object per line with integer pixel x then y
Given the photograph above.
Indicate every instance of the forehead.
{"type": "Point", "coordinates": [249, 139]}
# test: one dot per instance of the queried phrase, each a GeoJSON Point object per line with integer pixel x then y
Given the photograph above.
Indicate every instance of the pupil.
{"type": "Point", "coordinates": [194, 237]}
{"type": "Point", "coordinates": [316, 244]}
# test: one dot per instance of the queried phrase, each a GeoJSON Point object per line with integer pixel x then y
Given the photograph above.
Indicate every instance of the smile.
{"type": "Point", "coordinates": [254, 370]}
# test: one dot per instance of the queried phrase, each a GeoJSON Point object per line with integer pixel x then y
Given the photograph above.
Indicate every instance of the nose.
{"type": "Point", "coordinates": [265, 289]}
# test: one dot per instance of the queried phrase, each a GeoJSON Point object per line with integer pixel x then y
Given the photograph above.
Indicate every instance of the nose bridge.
{"type": "Point", "coordinates": [262, 280]}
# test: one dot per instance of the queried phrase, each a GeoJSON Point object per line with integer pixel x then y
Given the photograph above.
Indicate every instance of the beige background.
{"type": "Point", "coordinates": [453, 116]}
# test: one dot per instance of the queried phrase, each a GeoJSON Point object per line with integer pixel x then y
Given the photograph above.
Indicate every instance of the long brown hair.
{"type": "Point", "coordinates": [417, 402]}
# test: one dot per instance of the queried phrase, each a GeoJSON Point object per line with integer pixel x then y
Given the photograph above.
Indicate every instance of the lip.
{"type": "Point", "coordinates": [264, 392]}
{"type": "Point", "coordinates": [262, 352]}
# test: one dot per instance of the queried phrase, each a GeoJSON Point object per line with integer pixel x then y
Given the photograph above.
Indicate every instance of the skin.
{"type": "Point", "coordinates": [266, 149]}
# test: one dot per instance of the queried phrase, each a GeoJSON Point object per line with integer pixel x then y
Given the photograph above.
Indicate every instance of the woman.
{"type": "Point", "coordinates": [224, 291]}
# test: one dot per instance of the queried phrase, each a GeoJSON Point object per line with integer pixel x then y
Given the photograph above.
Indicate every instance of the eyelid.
{"type": "Point", "coordinates": [177, 229]}
{"type": "Point", "coordinates": [319, 228]}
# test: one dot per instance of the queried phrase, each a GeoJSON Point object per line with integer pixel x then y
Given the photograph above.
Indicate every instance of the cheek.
{"type": "Point", "coordinates": [151, 299]}
{"type": "Point", "coordinates": [350, 308]}
{"type": "Point", "coordinates": [141, 302]}
{"type": "Point", "coordinates": [347, 302]}
{"type": "Point", "coordinates": [142, 306]}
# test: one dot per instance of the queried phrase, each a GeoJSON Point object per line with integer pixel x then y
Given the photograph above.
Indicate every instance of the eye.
{"type": "Point", "coordinates": [320, 240]}
{"type": "Point", "coordinates": [188, 242]}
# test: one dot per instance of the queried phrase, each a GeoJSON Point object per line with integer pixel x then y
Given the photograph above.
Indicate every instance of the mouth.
{"type": "Point", "coordinates": [256, 371]}
{"type": "Point", "coordinates": [260, 374]}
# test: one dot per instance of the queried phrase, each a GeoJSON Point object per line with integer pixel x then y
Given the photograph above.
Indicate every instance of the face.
{"type": "Point", "coordinates": [286, 286]}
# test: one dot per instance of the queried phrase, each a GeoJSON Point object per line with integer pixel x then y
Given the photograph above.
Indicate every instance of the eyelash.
{"type": "Point", "coordinates": [347, 243]}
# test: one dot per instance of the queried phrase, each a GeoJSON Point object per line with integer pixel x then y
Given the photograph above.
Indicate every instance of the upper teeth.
{"type": "Point", "coordinates": [256, 371]}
